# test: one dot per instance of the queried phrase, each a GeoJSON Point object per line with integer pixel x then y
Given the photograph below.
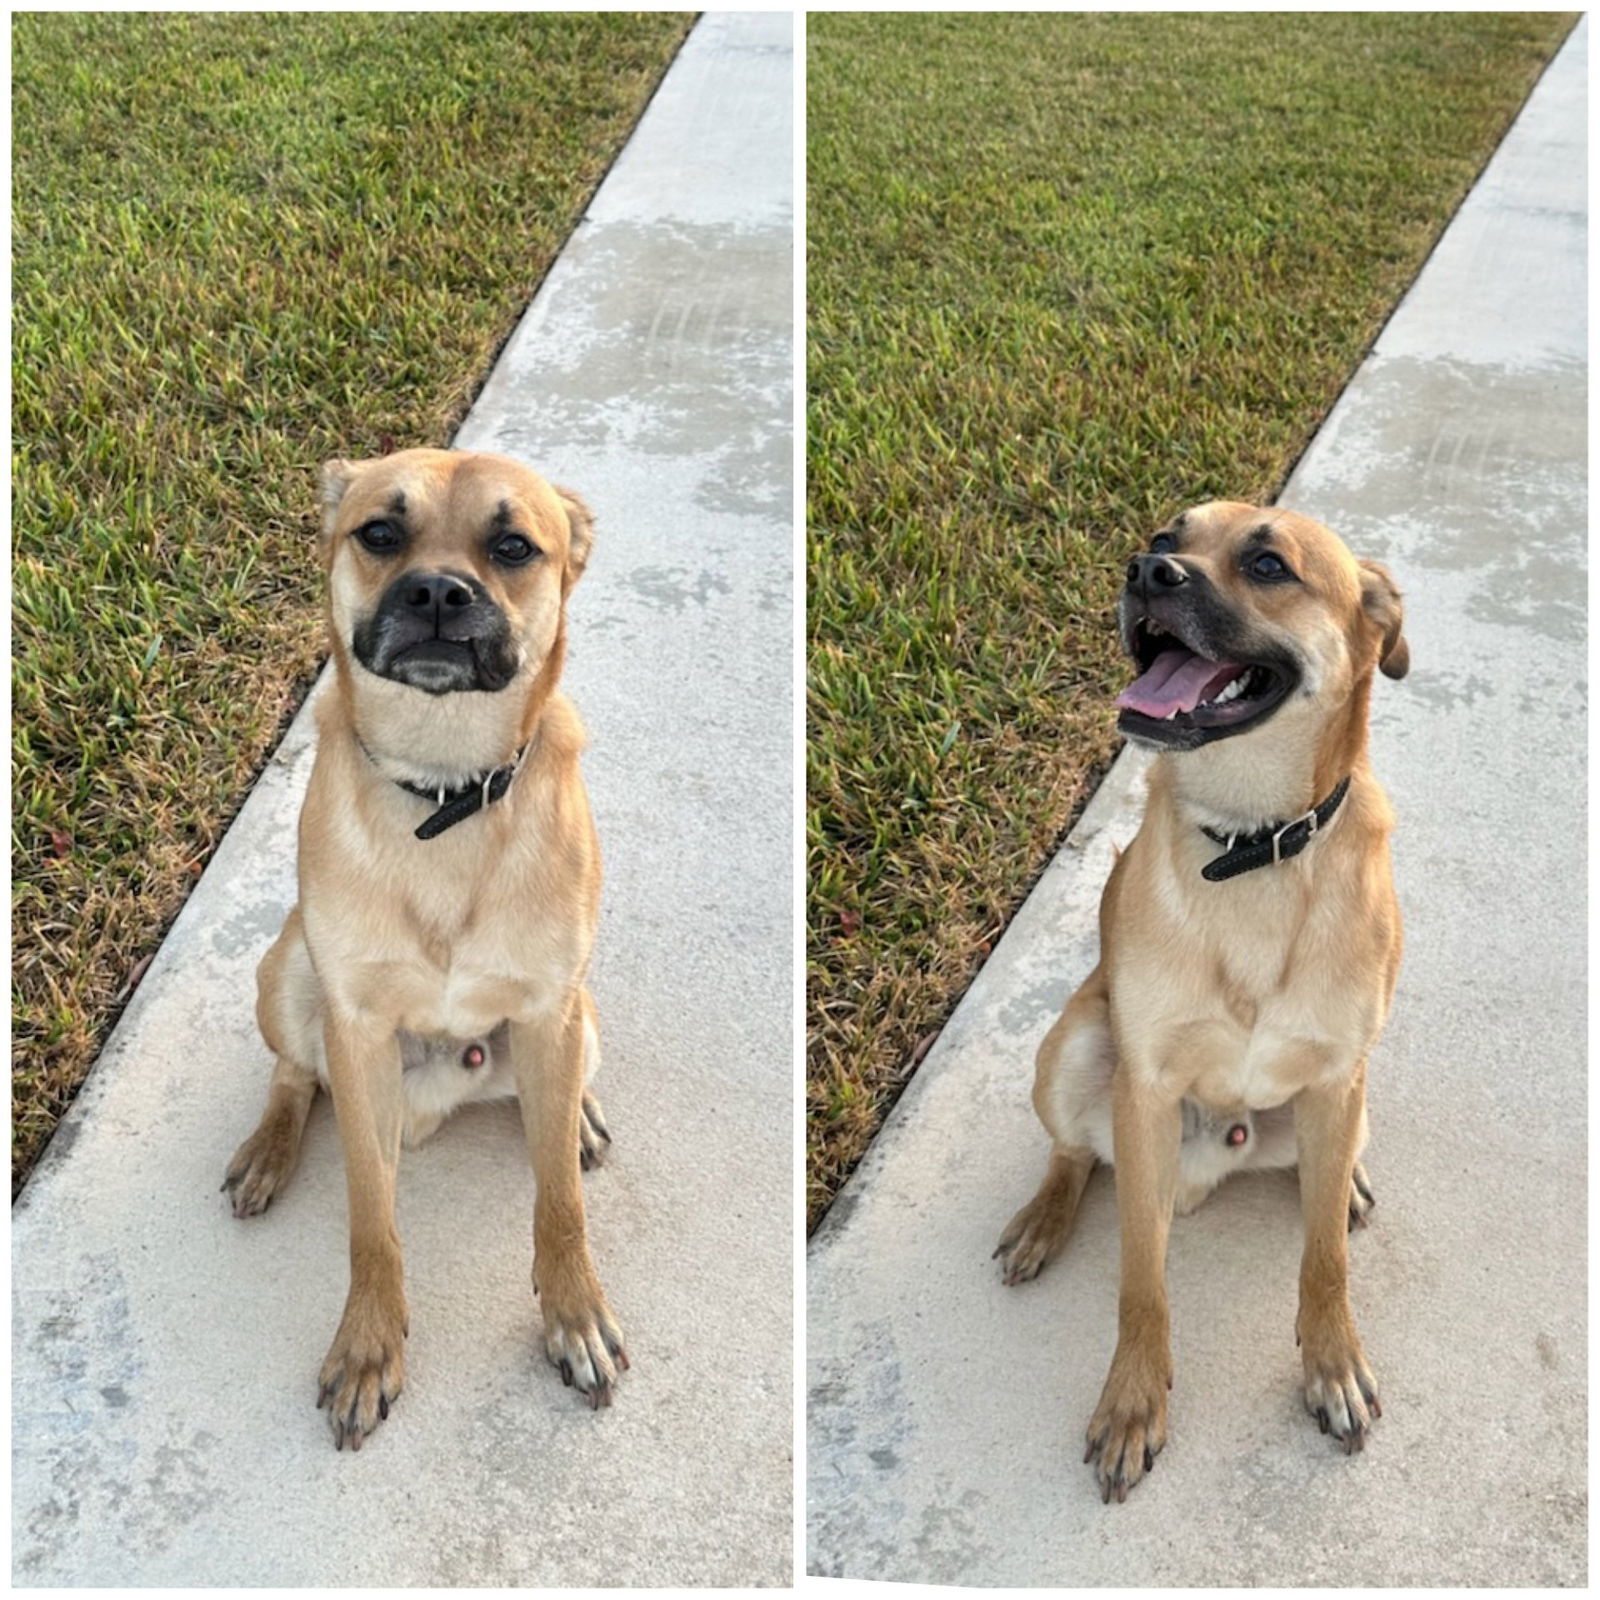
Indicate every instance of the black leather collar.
{"type": "Point", "coordinates": [1273, 844]}
{"type": "Point", "coordinates": [456, 805]}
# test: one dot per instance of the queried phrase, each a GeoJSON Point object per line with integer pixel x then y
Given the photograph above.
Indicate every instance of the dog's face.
{"type": "Point", "coordinates": [1238, 615]}
{"type": "Point", "coordinates": [447, 571]}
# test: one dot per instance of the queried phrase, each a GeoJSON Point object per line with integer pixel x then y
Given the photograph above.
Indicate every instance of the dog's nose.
{"type": "Point", "coordinates": [434, 591]}
{"type": "Point", "coordinates": [1154, 572]}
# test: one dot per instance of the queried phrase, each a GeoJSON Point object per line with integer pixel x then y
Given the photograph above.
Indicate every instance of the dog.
{"type": "Point", "coordinates": [449, 882]}
{"type": "Point", "coordinates": [1249, 938]}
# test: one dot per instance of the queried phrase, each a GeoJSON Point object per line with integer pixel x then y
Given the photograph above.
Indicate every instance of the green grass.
{"type": "Point", "coordinates": [1067, 273]}
{"type": "Point", "coordinates": [242, 244]}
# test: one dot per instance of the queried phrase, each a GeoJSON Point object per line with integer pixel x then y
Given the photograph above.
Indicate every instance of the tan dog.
{"type": "Point", "coordinates": [449, 888]}
{"type": "Point", "coordinates": [1249, 936]}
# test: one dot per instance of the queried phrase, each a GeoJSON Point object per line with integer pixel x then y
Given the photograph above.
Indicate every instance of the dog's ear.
{"type": "Point", "coordinates": [1380, 599]}
{"type": "Point", "coordinates": [580, 535]}
{"type": "Point", "coordinates": [336, 478]}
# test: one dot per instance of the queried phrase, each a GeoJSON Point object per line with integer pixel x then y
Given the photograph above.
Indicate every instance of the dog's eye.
{"type": "Point", "coordinates": [513, 550]}
{"type": "Point", "coordinates": [1163, 544]}
{"type": "Point", "coordinates": [1268, 567]}
{"type": "Point", "coordinates": [379, 537]}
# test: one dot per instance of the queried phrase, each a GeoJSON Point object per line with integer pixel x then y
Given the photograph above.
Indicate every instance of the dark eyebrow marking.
{"type": "Point", "coordinates": [397, 506]}
{"type": "Point", "coordinates": [505, 521]}
{"type": "Point", "coordinates": [1261, 535]}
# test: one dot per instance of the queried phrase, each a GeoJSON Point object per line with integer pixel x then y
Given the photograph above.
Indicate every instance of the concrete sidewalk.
{"type": "Point", "coordinates": [165, 1355]}
{"type": "Point", "coordinates": [947, 1413]}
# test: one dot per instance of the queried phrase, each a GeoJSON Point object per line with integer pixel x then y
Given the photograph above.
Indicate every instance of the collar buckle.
{"type": "Point", "coordinates": [1310, 822]}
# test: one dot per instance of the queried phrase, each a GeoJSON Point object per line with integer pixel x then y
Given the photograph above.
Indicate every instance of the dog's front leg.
{"type": "Point", "coordinates": [365, 1369]}
{"type": "Point", "coordinates": [1129, 1425]}
{"type": "Point", "coordinates": [1340, 1391]}
{"type": "Point", "coordinates": [581, 1336]}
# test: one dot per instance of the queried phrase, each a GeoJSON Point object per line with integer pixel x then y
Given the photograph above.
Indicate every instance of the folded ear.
{"type": "Point", "coordinates": [336, 478]}
{"type": "Point", "coordinates": [1380, 599]}
{"type": "Point", "coordinates": [580, 535]}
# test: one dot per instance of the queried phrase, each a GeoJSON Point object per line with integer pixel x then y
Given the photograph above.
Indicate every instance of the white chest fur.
{"type": "Point", "coordinates": [1236, 1004]}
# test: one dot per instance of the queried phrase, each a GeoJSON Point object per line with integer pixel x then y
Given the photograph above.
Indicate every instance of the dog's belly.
{"type": "Point", "coordinates": [443, 1074]}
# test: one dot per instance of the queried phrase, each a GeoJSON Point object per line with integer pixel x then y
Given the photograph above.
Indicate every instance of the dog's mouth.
{"type": "Point", "coordinates": [439, 632]}
{"type": "Point", "coordinates": [1184, 697]}
{"type": "Point", "coordinates": [439, 666]}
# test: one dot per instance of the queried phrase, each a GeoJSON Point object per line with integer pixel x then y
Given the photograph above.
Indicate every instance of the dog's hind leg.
{"type": "Point", "coordinates": [1362, 1199]}
{"type": "Point", "coordinates": [1039, 1231]}
{"type": "Point", "coordinates": [593, 1135]}
{"type": "Point", "coordinates": [264, 1163]}
{"type": "Point", "coordinates": [1071, 1094]}
{"type": "Point", "coordinates": [286, 1008]}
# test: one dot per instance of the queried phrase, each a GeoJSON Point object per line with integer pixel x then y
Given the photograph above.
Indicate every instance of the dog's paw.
{"type": "Point", "coordinates": [365, 1370]}
{"type": "Point", "coordinates": [1040, 1230]}
{"type": "Point", "coordinates": [1362, 1199]}
{"type": "Point", "coordinates": [261, 1166]}
{"type": "Point", "coordinates": [1024, 1247]}
{"type": "Point", "coordinates": [594, 1137]}
{"type": "Point", "coordinates": [1340, 1391]}
{"type": "Point", "coordinates": [1129, 1426]}
{"type": "Point", "coordinates": [584, 1343]}
{"type": "Point", "coordinates": [1033, 1238]}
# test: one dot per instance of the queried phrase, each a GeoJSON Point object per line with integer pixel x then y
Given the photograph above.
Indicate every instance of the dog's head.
{"type": "Point", "coordinates": [448, 575]}
{"type": "Point", "coordinates": [1237, 616]}
{"type": "Point", "coordinates": [447, 571]}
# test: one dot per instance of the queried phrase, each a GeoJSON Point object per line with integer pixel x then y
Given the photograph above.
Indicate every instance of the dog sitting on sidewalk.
{"type": "Point", "coordinates": [449, 889]}
{"type": "Point", "coordinates": [1249, 938]}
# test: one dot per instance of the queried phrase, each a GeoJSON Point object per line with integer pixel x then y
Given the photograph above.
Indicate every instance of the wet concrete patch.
{"type": "Point", "coordinates": [673, 588]}
{"type": "Point", "coordinates": [1454, 466]}
{"type": "Point", "coordinates": [671, 341]}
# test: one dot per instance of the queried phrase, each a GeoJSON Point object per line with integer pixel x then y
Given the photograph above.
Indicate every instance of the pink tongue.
{"type": "Point", "coordinates": [1178, 680]}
